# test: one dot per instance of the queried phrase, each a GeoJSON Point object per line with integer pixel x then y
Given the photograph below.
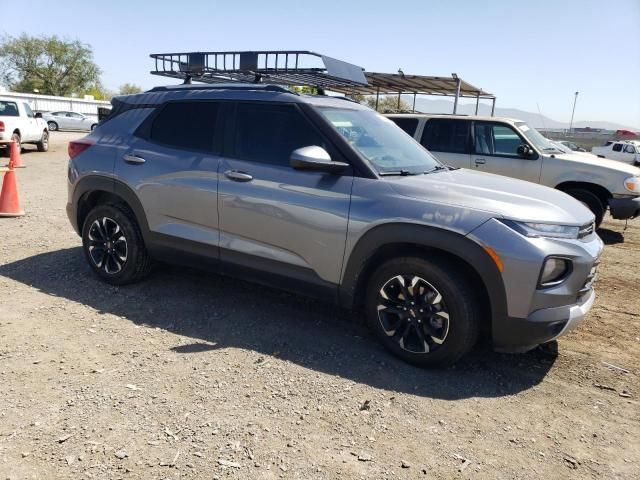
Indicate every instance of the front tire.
{"type": "Point", "coordinates": [425, 312]}
{"type": "Point", "coordinates": [591, 201]}
{"type": "Point", "coordinates": [113, 245]}
{"type": "Point", "coordinates": [43, 144]}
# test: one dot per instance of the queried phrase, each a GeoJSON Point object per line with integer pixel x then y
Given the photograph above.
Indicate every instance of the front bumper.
{"type": "Point", "coordinates": [544, 325]}
{"type": "Point", "coordinates": [625, 207]}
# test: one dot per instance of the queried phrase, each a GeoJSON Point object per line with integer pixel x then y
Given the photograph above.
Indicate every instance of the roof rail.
{"type": "Point", "coordinates": [282, 67]}
{"type": "Point", "coordinates": [223, 86]}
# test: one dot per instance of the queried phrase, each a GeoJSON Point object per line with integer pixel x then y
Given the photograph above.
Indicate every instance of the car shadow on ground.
{"type": "Point", "coordinates": [610, 237]}
{"type": "Point", "coordinates": [218, 312]}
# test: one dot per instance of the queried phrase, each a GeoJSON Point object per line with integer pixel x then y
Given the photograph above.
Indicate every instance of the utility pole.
{"type": "Point", "coordinates": [575, 99]}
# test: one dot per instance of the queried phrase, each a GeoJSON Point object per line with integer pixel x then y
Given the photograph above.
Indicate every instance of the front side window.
{"type": "Point", "coordinates": [28, 110]}
{"type": "Point", "coordinates": [380, 141]}
{"type": "Point", "coordinates": [630, 149]}
{"type": "Point", "coordinates": [496, 139]}
{"type": "Point", "coordinates": [186, 125]}
{"type": "Point", "coordinates": [617, 147]}
{"type": "Point", "coordinates": [446, 135]}
{"type": "Point", "coordinates": [8, 109]}
{"type": "Point", "coordinates": [270, 132]}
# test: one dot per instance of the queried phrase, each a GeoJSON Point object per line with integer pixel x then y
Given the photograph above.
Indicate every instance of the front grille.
{"type": "Point", "coordinates": [586, 230]}
{"type": "Point", "coordinates": [590, 280]}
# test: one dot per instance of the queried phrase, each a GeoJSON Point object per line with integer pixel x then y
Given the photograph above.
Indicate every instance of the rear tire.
{"type": "Point", "coordinates": [53, 126]}
{"type": "Point", "coordinates": [430, 317]}
{"type": "Point", "coordinates": [591, 201]}
{"type": "Point", "coordinates": [93, 127]}
{"type": "Point", "coordinates": [113, 245]}
{"type": "Point", "coordinates": [43, 144]}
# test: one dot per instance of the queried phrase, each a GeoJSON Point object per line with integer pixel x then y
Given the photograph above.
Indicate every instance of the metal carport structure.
{"type": "Point", "coordinates": [400, 83]}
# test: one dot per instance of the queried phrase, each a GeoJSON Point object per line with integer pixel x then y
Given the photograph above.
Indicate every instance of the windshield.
{"type": "Point", "coordinates": [536, 138]}
{"type": "Point", "coordinates": [381, 141]}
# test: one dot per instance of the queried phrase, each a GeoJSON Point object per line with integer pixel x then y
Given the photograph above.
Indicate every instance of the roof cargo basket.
{"type": "Point", "coordinates": [283, 67]}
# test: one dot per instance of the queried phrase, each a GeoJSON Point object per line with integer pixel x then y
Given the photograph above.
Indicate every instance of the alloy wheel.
{"type": "Point", "coordinates": [413, 313]}
{"type": "Point", "coordinates": [107, 245]}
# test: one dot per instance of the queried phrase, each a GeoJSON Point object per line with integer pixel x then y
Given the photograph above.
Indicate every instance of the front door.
{"type": "Point", "coordinates": [496, 151]}
{"type": "Point", "coordinates": [272, 217]}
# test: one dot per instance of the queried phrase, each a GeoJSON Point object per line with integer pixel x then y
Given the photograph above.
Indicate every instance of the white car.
{"type": "Point", "coordinates": [63, 120]}
{"type": "Point", "coordinates": [20, 124]}
{"type": "Point", "coordinates": [622, 150]}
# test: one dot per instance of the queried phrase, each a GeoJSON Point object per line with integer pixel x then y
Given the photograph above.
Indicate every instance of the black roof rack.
{"type": "Point", "coordinates": [222, 86]}
{"type": "Point", "coordinates": [281, 67]}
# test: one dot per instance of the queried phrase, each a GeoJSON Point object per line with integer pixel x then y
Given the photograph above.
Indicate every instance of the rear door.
{"type": "Point", "coordinates": [496, 151]}
{"type": "Point", "coordinates": [274, 218]}
{"type": "Point", "coordinates": [449, 140]}
{"type": "Point", "coordinates": [172, 166]}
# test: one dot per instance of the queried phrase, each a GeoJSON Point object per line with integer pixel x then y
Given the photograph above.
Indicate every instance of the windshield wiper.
{"type": "Point", "coordinates": [439, 168]}
{"type": "Point", "coordinates": [402, 173]}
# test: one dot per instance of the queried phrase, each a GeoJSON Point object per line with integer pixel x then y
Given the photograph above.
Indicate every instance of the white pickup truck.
{"type": "Point", "coordinates": [19, 123]}
{"type": "Point", "coordinates": [622, 150]}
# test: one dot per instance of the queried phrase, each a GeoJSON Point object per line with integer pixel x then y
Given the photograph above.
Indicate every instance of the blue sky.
{"type": "Point", "coordinates": [530, 54]}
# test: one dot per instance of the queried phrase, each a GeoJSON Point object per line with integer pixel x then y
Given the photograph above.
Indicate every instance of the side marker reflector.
{"type": "Point", "coordinates": [496, 259]}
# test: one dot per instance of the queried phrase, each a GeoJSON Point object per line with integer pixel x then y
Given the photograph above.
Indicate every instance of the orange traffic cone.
{"type": "Point", "coordinates": [9, 201]}
{"type": "Point", "coordinates": [15, 160]}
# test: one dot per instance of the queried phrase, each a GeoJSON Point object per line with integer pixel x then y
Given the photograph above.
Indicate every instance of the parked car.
{"type": "Point", "coordinates": [571, 146]}
{"type": "Point", "coordinates": [326, 197]}
{"type": "Point", "coordinates": [20, 124]}
{"type": "Point", "coordinates": [623, 151]}
{"type": "Point", "coordinates": [69, 121]}
{"type": "Point", "coordinates": [512, 148]}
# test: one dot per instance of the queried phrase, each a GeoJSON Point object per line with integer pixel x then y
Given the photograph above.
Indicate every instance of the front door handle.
{"type": "Point", "coordinates": [133, 159]}
{"type": "Point", "coordinates": [480, 161]}
{"type": "Point", "coordinates": [238, 176]}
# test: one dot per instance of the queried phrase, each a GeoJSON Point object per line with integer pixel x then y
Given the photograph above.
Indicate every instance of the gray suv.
{"type": "Point", "coordinates": [326, 197]}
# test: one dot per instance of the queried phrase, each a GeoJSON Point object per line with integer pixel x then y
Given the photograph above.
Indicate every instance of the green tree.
{"type": "Point", "coordinates": [388, 104]}
{"type": "Point", "coordinates": [129, 89]}
{"type": "Point", "coordinates": [47, 63]}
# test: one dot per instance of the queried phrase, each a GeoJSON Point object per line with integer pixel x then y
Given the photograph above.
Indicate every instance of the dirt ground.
{"type": "Point", "coordinates": [190, 375]}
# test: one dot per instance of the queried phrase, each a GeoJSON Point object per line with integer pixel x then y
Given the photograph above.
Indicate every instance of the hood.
{"type": "Point", "coordinates": [504, 197]}
{"type": "Point", "coordinates": [591, 159]}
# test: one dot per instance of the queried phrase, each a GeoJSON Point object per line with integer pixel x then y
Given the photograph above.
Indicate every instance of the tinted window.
{"type": "Point", "coordinates": [409, 125]}
{"type": "Point", "coordinates": [496, 139]}
{"type": "Point", "coordinates": [445, 135]}
{"type": "Point", "coordinates": [188, 125]}
{"type": "Point", "coordinates": [617, 147]}
{"type": "Point", "coordinates": [269, 133]}
{"type": "Point", "coordinates": [8, 109]}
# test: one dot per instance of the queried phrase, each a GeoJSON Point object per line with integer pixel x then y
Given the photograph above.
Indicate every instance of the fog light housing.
{"type": "Point", "coordinates": [554, 271]}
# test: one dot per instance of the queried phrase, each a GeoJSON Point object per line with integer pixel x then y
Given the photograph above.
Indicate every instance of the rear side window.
{"type": "Point", "coordinates": [446, 135]}
{"type": "Point", "coordinates": [617, 147]}
{"type": "Point", "coordinates": [268, 133]}
{"type": "Point", "coordinates": [8, 109]}
{"type": "Point", "coordinates": [409, 125]}
{"type": "Point", "coordinates": [186, 125]}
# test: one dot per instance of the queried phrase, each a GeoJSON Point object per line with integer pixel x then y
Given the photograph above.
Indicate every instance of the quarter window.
{"type": "Point", "coordinates": [496, 139]}
{"type": "Point", "coordinates": [186, 125]}
{"type": "Point", "coordinates": [445, 135]}
{"type": "Point", "coordinates": [269, 133]}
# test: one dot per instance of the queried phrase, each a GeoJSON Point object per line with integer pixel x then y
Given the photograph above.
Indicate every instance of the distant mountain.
{"type": "Point", "coordinates": [534, 119]}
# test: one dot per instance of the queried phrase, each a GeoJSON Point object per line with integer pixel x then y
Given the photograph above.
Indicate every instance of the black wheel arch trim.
{"type": "Point", "coordinates": [423, 236]}
{"type": "Point", "coordinates": [96, 183]}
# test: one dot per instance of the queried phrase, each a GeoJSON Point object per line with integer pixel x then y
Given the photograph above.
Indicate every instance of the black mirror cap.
{"type": "Point", "coordinates": [38, 115]}
{"type": "Point", "coordinates": [526, 151]}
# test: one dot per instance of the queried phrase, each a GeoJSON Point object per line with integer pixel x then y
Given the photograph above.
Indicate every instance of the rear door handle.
{"type": "Point", "coordinates": [480, 161]}
{"type": "Point", "coordinates": [238, 176]}
{"type": "Point", "coordinates": [133, 159]}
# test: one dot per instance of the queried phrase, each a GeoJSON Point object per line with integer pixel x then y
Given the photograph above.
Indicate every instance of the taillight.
{"type": "Point", "coordinates": [77, 147]}
{"type": "Point", "coordinates": [1, 126]}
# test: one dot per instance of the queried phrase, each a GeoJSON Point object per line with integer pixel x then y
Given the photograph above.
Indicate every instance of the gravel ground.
{"type": "Point", "coordinates": [190, 375]}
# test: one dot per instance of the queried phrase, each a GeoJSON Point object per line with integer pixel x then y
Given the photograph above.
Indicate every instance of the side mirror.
{"type": "Point", "coordinates": [580, 149]}
{"type": "Point", "coordinates": [38, 115]}
{"type": "Point", "coordinates": [525, 151]}
{"type": "Point", "coordinates": [315, 159]}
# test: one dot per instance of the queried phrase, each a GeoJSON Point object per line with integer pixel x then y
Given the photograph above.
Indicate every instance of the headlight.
{"type": "Point", "coordinates": [554, 271]}
{"type": "Point", "coordinates": [632, 184]}
{"type": "Point", "coordinates": [549, 230]}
